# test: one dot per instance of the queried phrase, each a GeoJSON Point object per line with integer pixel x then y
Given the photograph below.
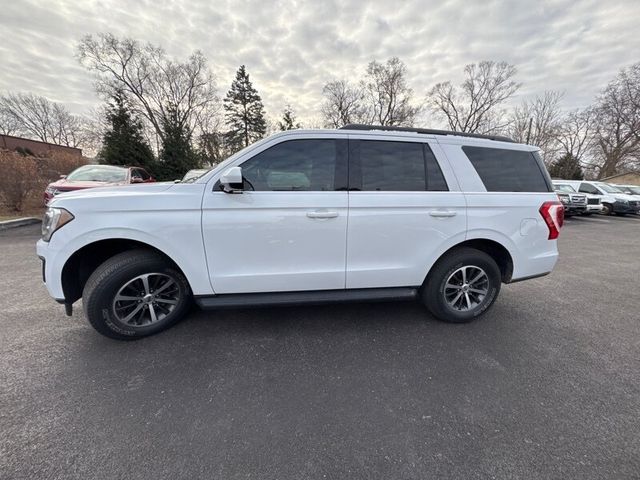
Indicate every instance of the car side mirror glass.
{"type": "Point", "coordinates": [231, 180]}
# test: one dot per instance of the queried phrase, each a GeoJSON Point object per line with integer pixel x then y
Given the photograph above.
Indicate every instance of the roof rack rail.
{"type": "Point", "coordinates": [428, 131]}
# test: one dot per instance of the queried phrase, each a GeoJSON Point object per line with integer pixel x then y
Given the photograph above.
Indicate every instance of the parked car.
{"type": "Point", "coordinates": [193, 174]}
{"type": "Point", "coordinates": [91, 176]}
{"type": "Point", "coordinates": [593, 201]}
{"type": "Point", "coordinates": [612, 199]}
{"type": "Point", "coordinates": [360, 213]}
{"type": "Point", "coordinates": [574, 203]}
{"type": "Point", "coordinates": [632, 190]}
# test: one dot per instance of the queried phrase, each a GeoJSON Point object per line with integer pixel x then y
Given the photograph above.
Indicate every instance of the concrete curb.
{"type": "Point", "coordinates": [18, 222]}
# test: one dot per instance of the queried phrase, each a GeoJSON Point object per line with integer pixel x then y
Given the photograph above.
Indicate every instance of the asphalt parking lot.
{"type": "Point", "coordinates": [547, 385]}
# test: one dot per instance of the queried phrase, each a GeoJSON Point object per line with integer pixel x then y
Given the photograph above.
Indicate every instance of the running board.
{"type": "Point", "coordinates": [233, 300]}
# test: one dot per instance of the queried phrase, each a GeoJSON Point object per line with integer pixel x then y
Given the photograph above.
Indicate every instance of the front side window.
{"type": "Point", "coordinates": [294, 165]}
{"type": "Point", "coordinates": [588, 188]}
{"type": "Point", "coordinates": [394, 166]}
{"type": "Point", "coordinates": [503, 170]}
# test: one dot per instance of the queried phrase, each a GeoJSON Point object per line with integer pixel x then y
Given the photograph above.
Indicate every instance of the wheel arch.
{"type": "Point", "coordinates": [84, 261]}
{"type": "Point", "coordinates": [496, 250]}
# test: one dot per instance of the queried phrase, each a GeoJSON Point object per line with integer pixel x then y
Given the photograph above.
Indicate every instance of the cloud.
{"type": "Point", "coordinates": [291, 48]}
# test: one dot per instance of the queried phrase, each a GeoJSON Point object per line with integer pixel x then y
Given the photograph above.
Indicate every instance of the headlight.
{"type": "Point", "coordinates": [54, 219]}
{"type": "Point", "coordinates": [51, 191]}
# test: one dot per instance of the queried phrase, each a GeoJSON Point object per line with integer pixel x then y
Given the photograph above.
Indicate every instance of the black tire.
{"type": "Point", "coordinates": [107, 280]}
{"type": "Point", "coordinates": [433, 292]}
{"type": "Point", "coordinates": [607, 209]}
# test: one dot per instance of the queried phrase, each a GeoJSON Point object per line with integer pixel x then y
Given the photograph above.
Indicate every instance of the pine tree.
{"type": "Point", "coordinates": [288, 121]}
{"type": "Point", "coordinates": [177, 155]}
{"type": "Point", "coordinates": [566, 167]}
{"type": "Point", "coordinates": [244, 112]}
{"type": "Point", "coordinates": [123, 143]}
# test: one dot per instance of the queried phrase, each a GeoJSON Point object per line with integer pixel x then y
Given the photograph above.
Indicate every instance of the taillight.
{"type": "Point", "coordinates": [553, 215]}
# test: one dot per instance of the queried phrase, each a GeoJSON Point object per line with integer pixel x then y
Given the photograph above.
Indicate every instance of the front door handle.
{"type": "Point", "coordinates": [443, 213]}
{"type": "Point", "coordinates": [322, 214]}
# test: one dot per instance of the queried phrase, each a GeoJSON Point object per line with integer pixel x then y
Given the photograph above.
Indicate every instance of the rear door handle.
{"type": "Point", "coordinates": [322, 214]}
{"type": "Point", "coordinates": [443, 213]}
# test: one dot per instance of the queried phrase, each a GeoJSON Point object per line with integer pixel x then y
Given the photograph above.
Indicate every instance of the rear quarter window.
{"type": "Point", "coordinates": [503, 170]}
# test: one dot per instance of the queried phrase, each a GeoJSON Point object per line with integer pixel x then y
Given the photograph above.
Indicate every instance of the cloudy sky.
{"type": "Point", "coordinates": [291, 48]}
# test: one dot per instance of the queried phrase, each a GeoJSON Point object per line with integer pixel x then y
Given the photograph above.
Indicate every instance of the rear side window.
{"type": "Point", "coordinates": [394, 166]}
{"type": "Point", "coordinates": [503, 170]}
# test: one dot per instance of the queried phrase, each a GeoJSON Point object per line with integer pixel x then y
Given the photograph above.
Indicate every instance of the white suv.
{"type": "Point", "coordinates": [355, 214]}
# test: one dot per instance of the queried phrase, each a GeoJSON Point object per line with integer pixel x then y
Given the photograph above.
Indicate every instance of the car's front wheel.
{"type": "Point", "coordinates": [135, 294]}
{"type": "Point", "coordinates": [462, 285]}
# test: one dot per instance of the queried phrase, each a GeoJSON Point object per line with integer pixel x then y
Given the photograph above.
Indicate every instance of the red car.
{"type": "Point", "coordinates": [90, 176]}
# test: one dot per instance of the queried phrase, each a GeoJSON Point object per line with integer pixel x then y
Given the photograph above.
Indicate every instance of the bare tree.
{"type": "Point", "coordinates": [37, 117]}
{"type": "Point", "coordinates": [617, 131]}
{"type": "Point", "coordinates": [474, 107]}
{"type": "Point", "coordinates": [8, 123]}
{"type": "Point", "coordinates": [388, 95]}
{"type": "Point", "coordinates": [381, 97]}
{"type": "Point", "coordinates": [538, 122]}
{"type": "Point", "coordinates": [575, 136]}
{"type": "Point", "coordinates": [343, 104]}
{"type": "Point", "coordinates": [161, 89]}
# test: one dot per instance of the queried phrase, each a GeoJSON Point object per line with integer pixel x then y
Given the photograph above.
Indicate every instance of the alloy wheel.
{"type": "Point", "coordinates": [466, 288]}
{"type": "Point", "coordinates": [146, 299]}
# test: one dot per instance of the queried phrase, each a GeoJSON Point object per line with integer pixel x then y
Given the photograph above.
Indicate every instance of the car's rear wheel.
{"type": "Point", "coordinates": [135, 294]}
{"type": "Point", "coordinates": [462, 285]}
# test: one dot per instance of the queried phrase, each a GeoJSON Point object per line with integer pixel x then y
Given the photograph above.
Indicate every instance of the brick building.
{"type": "Point", "coordinates": [36, 147]}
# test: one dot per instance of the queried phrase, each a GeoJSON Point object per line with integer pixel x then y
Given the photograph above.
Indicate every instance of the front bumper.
{"type": "Point", "coordinates": [620, 207]}
{"type": "Point", "coordinates": [51, 281]}
{"type": "Point", "coordinates": [594, 208]}
{"type": "Point", "coordinates": [574, 209]}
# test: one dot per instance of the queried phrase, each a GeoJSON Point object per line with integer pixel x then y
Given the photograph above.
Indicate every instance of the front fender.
{"type": "Point", "coordinates": [183, 245]}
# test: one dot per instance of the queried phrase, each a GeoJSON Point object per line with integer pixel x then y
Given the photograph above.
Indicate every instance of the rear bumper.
{"type": "Point", "coordinates": [534, 267]}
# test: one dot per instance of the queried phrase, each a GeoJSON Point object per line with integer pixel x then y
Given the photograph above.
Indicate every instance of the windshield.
{"type": "Point", "coordinates": [98, 173]}
{"type": "Point", "coordinates": [628, 189]}
{"type": "Point", "coordinates": [608, 188]}
{"type": "Point", "coordinates": [565, 188]}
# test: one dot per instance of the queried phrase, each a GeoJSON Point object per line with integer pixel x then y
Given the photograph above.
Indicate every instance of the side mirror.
{"type": "Point", "coordinates": [231, 180]}
{"type": "Point", "coordinates": [137, 180]}
{"type": "Point", "coordinates": [63, 176]}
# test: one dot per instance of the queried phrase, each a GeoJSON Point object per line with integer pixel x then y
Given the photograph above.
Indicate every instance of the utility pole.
{"type": "Point", "coordinates": [529, 131]}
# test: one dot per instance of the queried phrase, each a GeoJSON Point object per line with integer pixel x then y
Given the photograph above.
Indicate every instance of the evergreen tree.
{"type": "Point", "coordinates": [244, 112]}
{"type": "Point", "coordinates": [123, 143]}
{"type": "Point", "coordinates": [177, 155]}
{"type": "Point", "coordinates": [288, 121]}
{"type": "Point", "coordinates": [566, 167]}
